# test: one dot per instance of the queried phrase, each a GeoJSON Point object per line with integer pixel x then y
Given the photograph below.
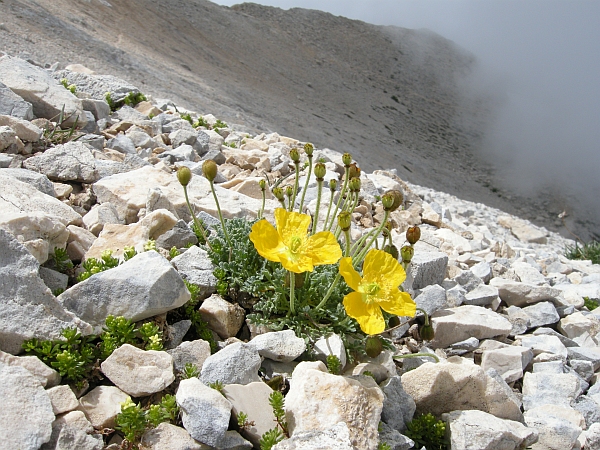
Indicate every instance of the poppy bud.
{"type": "Point", "coordinates": [355, 184]}
{"type": "Point", "coordinates": [344, 220]}
{"type": "Point", "coordinates": [347, 159]}
{"type": "Point", "coordinates": [407, 253]}
{"type": "Point", "coordinates": [320, 171]}
{"type": "Point", "coordinates": [387, 200]}
{"type": "Point", "coordinates": [263, 184]}
{"type": "Point", "coordinates": [333, 184]}
{"type": "Point", "coordinates": [209, 169]}
{"type": "Point", "coordinates": [289, 191]}
{"type": "Point", "coordinates": [398, 199]}
{"type": "Point", "coordinates": [426, 332]}
{"type": "Point", "coordinates": [184, 175]}
{"type": "Point", "coordinates": [413, 234]}
{"type": "Point", "coordinates": [278, 193]}
{"type": "Point", "coordinates": [354, 171]}
{"type": "Point", "coordinates": [392, 250]}
{"type": "Point", "coordinates": [309, 148]}
{"type": "Point", "coordinates": [373, 347]}
{"type": "Point", "coordinates": [295, 155]}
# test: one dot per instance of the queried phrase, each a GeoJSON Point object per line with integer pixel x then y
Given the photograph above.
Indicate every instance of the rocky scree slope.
{"type": "Point", "coordinates": [518, 347]}
{"type": "Point", "coordinates": [394, 97]}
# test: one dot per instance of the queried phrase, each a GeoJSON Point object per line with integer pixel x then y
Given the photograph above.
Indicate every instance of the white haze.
{"type": "Point", "coordinates": [540, 58]}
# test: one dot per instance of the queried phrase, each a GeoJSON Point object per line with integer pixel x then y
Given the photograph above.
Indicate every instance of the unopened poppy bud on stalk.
{"type": "Point", "coordinates": [347, 159]}
{"type": "Point", "coordinates": [344, 220]}
{"type": "Point", "coordinates": [295, 155]}
{"type": "Point", "coordinates": [387, 200]}
{"type": "Point", "coordinates": [320, 171]}
{"type": "Point", "coordinates": [373, 347]}
{"type": "Point", "coordinates": [289, 191]}
{"type": "Point", "coordinates": [354, 171]}
{"type": "Point", "coordinates": [263, 184]}
{"type": "Point", "coordinates": [413, 234]}
{"type": "Point", "coordinates": [398, 199]}
{"type": "Point", "coordinates": [209, 169]}
{"type": "Point", "coordinates": [309, 148]}
{"type": "Point", "coordinates": [355, 184]}
{"type": "Point", "coordinates": [333, 184]}
{"type": "Point", "coordinates": [184, 175]}
{"type": "Point", "coordinates": [407, 252]}
{"type": "Point", "coordinates": [278, 193]}
{"type": "Point", "coordinates": [392, 250]}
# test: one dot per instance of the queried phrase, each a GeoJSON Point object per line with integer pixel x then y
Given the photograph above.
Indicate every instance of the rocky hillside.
{"type": "Point", "coordinates": [393, 97]}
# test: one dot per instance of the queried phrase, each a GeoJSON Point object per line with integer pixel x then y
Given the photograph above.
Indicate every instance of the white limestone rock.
{"type": "Point", "coordinates": [46, 376]}
{"type": "Point", "coordinates": [237, 363]}
{"type": "Point", "coordinates": [223, 317]}
{"type": "Point", "coordinates": [316, 401]}
{"type": "Point", "coordinates": [72, 161]}
{"type": "Point", "coordinates": [330, 345]}
{"type": "Point", "coordinates": [335, 437]}
{"type": "Point", "coordinates": [193, 352]}
{"type": "Point", "coordinates": [137, 372]}
{"type": "Point", "coordinates": [170, 437]}
{"type": "Point", "coordinates": [195, 266]}
{"type": "Point", "coordinates": [282, 346]}
{"type": "Point", "coordinates": [62, 398]}
{"type": "Point", "coordinates": [544, 388]}
{"type": "Point", "coordinates": [102, 404]}
{"type": "Point", "coordinates": [142, 287]}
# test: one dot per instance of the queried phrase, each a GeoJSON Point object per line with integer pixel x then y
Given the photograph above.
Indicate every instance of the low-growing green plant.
{"type": "Point", "coordinates": [131, 99]}
{"type": "Point", "coordinates": [70, 87]}
{"type": "Point", "coordinates": [591, 303]}
{"type": "Point", "coordinates": [427, 432]}
{"type": "Point", "coordinates": [201, 122]}
{"type": "Point", "coordinates": [243, 422]}
{"type": "Point", "coordinates": [270, 438]}
{"type": "Point", "coordinates": [59, 133]}
{"type": "Point", "coordinates": [190, 370]}
{"type": "Point", "coordinates": [384, 446]}
{"type": "Point", "coordinates": [277, 402]}
{"type": "Point", "coordinates": [173, 252]}
{"type": "Point", "coordinates": [187, 117]}
{"type": "Point", "coordinates": [61, 261]}
{"type": "Point", "coordinates": [333, 364]}
{"type": "Point", "coordinates": [589, 250]}
{"type": "Point", "coordinates": [218, 386]}
{"type": "Point", "coordinates": [92, 266]}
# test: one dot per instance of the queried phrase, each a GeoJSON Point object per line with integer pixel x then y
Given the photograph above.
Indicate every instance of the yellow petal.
{"type": "Point", "coordinates": [350, 275]}
{"type": "Point", "coordinates": [291, 224]}
{"type": "Point", "coordinates": [368, 316]}
{"type": "Point", "coordinates": [266, 240]}
{"type": "Point", "coordinates": [323, 248]}
{"type": "Point", "coordinates": [382, 268]}
{"type": "Point", "coordinates": [296, 263]}
{"type": "Point", "coordinates": [398, 303]}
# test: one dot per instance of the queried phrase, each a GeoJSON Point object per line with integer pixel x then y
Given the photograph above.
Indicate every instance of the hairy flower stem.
{"type": "Point", "coordinates": [328, 293]}
{"type": "Point", "coordinates": [196, 221]}
{"type": "Point", "coordinates": [365, 249]}
{"type": "Point", "coordinates": [342, 193]}
{"type": "Point", "coordinates": [292, 276]}
{"type": "Point", "coordinates": [329, 209]}
{"type": "Point", "coordinates": [262, 206]}
{"type": "Point", "coordinates": [358, 244]}
{"type": "Point", "coordinates": [296, 183]}
{"type": "Point", "coordinates": [316, 218]}
{"type": "Point", "coordinates": [212, 188]}
{"type": "Point", "coordinates": [306, 184]}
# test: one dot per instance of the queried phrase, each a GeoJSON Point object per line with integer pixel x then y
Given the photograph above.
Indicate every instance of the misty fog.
{"type": "Point", "coordinates": [539, 60]}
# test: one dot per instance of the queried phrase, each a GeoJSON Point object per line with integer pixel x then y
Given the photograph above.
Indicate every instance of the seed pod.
{"type": "Point", "coordinates": [184, 175]}
{"type": "Point", "coordinates": [309, 148]}
{"type": "Point", "coordinates": [354, 171]}
{"type": "Point", "coordinates": [373, 347]}
{"type": "Point", "coordinates": [407, 252]}
{"type": "Point", "coordinates": [355, 184]}
{"type": "Point", "coordinates": [278, 193]}
{"type": "Point", "coordinates": [347, 159]}
{"type": "Point", "coordinates": [387, 200]}
{"type": "Point", "coordinates": [209, 169]}
{"type": "Point", "coordinates": [413, 234]}
{"type": "Point", "coordinates": [398, 199]}
{"type": "Point", "coordinates": [295, 155]}
{"type": "Point", "coordinates": [392, 250]}
{"type": "Point", "coordinates": [320, 171]}
{"type": "Point", "coordinates": [333, 184]}
{"type": "Point", "coordinates": [344, 220]}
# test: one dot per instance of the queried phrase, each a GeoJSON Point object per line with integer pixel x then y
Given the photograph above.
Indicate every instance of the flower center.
{"type": "Point", "coordinates": [295, 243]}
{"type": "Point", "coordinates": [369, 291]}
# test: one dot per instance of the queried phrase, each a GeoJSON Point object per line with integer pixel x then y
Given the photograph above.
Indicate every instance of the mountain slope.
{"type": "Point", "coordinates": [394, 98]}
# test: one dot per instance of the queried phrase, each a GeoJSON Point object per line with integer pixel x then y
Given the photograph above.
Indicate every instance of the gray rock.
{"type": "Point", "coordinates": [195, 266]}
{"type": "Point", "coordinates": [432, 298]}
{"type": "Point", "coordinates": [46, 376]}
{"type": "Point", "coordinates": [589, 408]}
{"type": "Point", "coordinates": [72, 161]}
{"type": "Point", "coordinates": [142, 287]}
{"type": "Point", "coordinates": [102, 404]}
{"type": "Point", "coordinates": [482, 270]}
{"type": "Point", "coordinates": [122, 143]}
{"type": "Point", "coordinates": [427, 268]}
{"type": "Point", "coordinates": [169, 437]}
{"type": "Point", "coordinates": [176, 333]}
{"type": "Point", "coordinates": [23, 398]}
{"type": "Point", "coordinates": [330, 345]}
{"type": "Point", "coordinates": [468, 280]}
{"type": "Point", "coordinates": [394, 438]}
{"type": "Point", "coordinates": [553, 432]}
{"type": "Point", "coordinates": [282, 346]}
{"type": "Point", "coordinates": [27, 307]}
{"type": "Point", "coordinates": [180, 236]}
{"type": "Point", "coordinates": [205, 412]}
{"type": "Point", "coordinates": [523, 294]}
{"type": "Point", "coordinates": [462, 347]}
{"type": "Point", "coordinates": [543, 388]}
{"type": "Point", "coordinates": [193, 352]}
{"type": "Point", "coordinates": [53, 279]}
{"type": "Point", "coordinates": [540, 314]}
{"type": "Point", "coordinates": [237, 363]}
{"type": "Point", "coordinates": [13, 105]}
{"type": "Point", "coordinates": [586, 354]}
{"type": "Point", "coordinates": [98, 85]}
{"type": "Point", "coordinates": [217, 156]}
{"type": "Point", "coordinates": [71, 438]}
{"type": "Point", "coordinates": [37, 180]}
{"type": "Point", "coordinates": [482, 295]}
{"type": "Point", "coordinates": [336, 437]}
{"type": "Point", "coordinates": [36, 86]}
{"type": "Point", "coordinates": [398, 406]}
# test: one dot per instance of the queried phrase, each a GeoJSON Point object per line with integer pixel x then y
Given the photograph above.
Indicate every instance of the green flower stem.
{"type": "Point", "coordinates": [342, 192]}
{"type": "Point", "coordinates": [292, 292]}
{"type": "Point", "coordinates": [328, 209]}
{"type": "Point", "coordinates": [306, 184]}
{"type": "Point", "coordinates": [296, 183]}
{"type": "Point", "coordinates": [347, 236]}
{"type": "Point", "coordinates": [365, 249]}
{"type": "Point", "coordinates": [416, 355]}
{"type": "Point", "coordinates": [316, 219]}
{"type": "Point", "coordinates": [196, 221]}
{"type": "Point", "coordinates": [329, 292]}
{"type": "Point", "coordinates": [212, 188]}
{"type": "Point", "coordinates": [262, 207]}
{"type": "Point", "coordinates": [358, 244]}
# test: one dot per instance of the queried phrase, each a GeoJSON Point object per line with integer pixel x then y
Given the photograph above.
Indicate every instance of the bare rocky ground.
{"type": "Point", "coordinates": [393, 97]}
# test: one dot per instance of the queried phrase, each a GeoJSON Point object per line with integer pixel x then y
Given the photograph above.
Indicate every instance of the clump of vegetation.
{"type": "Point", "coordinates": [333, 364]}
{"type": "Point", "coordinates": [62, 262]}
{"type": "Point", "coordinates": [133, 420]}
{"type": "Point", "coordinates": [280, 432]}
{"type": "Point", "coordinates": [131, 99]}
{"type": "Point", "coordinates": [589, 250]}
{"type": "Point", "coordinates": [76, 357]}
{"type": "Point", "coordinates": [58, 132]}
{"type": "Point", "coordinates": [427, 432]}
{"type": "Point", "coordinates": [591, 303]}
{"type": "Point", "coordinates": [70, 87]}
{"type": "Point", "coordinates": [190, 370]}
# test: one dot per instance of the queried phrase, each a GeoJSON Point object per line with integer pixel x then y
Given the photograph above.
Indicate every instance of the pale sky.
{"type": "Point", "coordinates": [544, 57]}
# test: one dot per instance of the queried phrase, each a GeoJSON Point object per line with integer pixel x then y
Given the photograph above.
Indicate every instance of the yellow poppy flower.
{"type": "Point", "coordinates": [290, 243]}
{"type": "Point", "coordinates": [377, 289]}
